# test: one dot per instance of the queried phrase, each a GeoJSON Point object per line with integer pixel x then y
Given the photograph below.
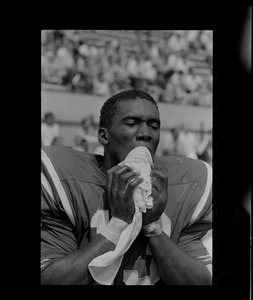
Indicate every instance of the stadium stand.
{"type": "Point", "coordinates": [175, 66]}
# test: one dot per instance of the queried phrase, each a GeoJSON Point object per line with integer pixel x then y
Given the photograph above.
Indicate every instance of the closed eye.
{"type": "Point", "coordinates": [154, 125]}
{"type": "Point", "coordinates": [132, 123]}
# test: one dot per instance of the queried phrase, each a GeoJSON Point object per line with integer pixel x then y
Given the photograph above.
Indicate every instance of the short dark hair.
{"type": "Point", "coordinates": [48, 115]}
{"type": "Point", "coordinates": [109, 108]}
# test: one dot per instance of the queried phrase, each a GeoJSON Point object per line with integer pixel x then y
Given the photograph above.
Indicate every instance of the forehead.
{"type": "Point", "coordinates": [138, 107]}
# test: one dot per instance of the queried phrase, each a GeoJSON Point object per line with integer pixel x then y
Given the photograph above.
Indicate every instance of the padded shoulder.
{"type": "Point", "coordinates": [182, 169]}
{"type": "Point", "coordinates": [70, 163]}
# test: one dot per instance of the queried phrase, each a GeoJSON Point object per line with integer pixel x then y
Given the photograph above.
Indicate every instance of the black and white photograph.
{"type": "Point", "coordinates": [126, 150]}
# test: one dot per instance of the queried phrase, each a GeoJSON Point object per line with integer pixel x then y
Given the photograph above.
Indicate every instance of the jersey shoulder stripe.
{"type": "Point", "coordinates": [81, 180]}
{"type": "Point", "coordinates": [47, 185]}
{"type": "Point", "coordinates": [204, 198]}
{"type": "Point", "coordinates": [57, 183]}
{"type": "Point", "coordinates": [182, 170]}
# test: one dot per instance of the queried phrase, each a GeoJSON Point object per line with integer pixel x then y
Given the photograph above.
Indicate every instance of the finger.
{"type": "Point", "coordinates": [132, 185]}
{"type": "Point", "coordinates": [117, 181]}
{"type": "Point", "coordinates": [157, 186]}
{"type": "Point", "coordinates": [155, 194]}
{"type": "Point", "coordinates": [152, 179]}
{"type": "Point", "coordinates": [157, 173]}
{"type": "Point", "coordinates": [159, 176]}
{"type": "Point", "coordinates": [152, 165]}
{"type": "Point", "coordinates": [125, 178]}
{"type": "Point", "coordinates": [109, 175]}
{"type": "Point", "coordinates": [113, 174]}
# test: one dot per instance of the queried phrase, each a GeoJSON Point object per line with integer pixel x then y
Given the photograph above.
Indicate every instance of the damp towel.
{"type": "Point", "coordinates": [105, 267]}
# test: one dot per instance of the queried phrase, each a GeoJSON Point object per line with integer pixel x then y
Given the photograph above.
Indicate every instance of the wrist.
{"type": "Point", "coordinates": [113, 229]}
{"type": "Point", "coordinates": [152, 229]}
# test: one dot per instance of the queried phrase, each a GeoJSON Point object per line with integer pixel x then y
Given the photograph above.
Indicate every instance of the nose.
{"type": "Point", "coordinates": [143, 132]}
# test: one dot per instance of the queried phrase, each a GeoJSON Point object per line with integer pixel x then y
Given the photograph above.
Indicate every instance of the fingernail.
{"type": "Point", "coordinates": [153, 179]}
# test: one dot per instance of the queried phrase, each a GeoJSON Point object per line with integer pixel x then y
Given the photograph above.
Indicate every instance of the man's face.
{"type": "Point", "coordinates": [136, 123]}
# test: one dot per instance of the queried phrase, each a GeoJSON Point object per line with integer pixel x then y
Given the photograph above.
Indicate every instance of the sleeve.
{"type": "Point", "coordinates": [196, 238]}
{"type": "Point", "coordinates": [57, 222]}
{"type": "Point", "coordinates": [57, 232]}
{"type": "Point", "coordinates": [69, 198]}
{"type": "Point", "coordinates": [196, 241]}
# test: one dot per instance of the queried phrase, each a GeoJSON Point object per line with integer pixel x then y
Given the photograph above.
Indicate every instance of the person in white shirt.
{"type": "Point", "coordinates": [50, 131]}
{"type": "Point", "coordinates": [186, 143]}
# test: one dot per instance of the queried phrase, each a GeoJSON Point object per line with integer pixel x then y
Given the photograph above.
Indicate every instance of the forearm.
{"type": "Point", "coordinates": [72, 269]}
{"type": "Point", "coordinates": [176, 267]}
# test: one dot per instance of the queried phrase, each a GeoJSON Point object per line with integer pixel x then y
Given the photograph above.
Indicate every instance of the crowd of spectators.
{"type": "Point", "coordinates": [181, 141]}
{"type": "Point", "coordinates": [176, 68]}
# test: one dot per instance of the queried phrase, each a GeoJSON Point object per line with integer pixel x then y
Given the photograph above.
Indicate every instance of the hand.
{"type": "Point", "coordinates": [121, 182]}
{"type": "Point", "coordinates": [160, 197]}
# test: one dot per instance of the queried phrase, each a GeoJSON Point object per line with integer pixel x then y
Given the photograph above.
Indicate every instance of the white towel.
{"type": "Point", "coordinates": [104, 268]}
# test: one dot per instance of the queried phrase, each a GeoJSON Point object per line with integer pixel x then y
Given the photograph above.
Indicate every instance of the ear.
{"type": "Point", "coordinates": [103, 136]}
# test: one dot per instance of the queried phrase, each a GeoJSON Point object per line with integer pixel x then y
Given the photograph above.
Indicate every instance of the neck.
{"type": "Point", "coordinates": [108, 162]}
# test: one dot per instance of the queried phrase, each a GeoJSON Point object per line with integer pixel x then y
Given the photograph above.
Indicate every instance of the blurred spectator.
{"type": "Point", "coordinates": [65, 61]}
{"type": "Point", "coordinates": [193, 39]}
{"type": "Point", "coordinates": [186, 143]}
{"type": "Point", "coordinates": [176, 63]}
{"type": "Point", "coordinates": [147, 69]}
{"type": "Point", "coordinates": [167, 145]}
{"type": "Point", "coordinates": [50, 131]}
{"type": "Point", "coordinates": [49, 67]}
{"type": "Point", "coordinates": [204, 148]}
{"type": "Point", "coordinates": [101, 87]}
{"type": "Point", "coordinates": [177, 42]}
{"type": "Point", "coordinates": [85, 138]}
{"type": "Point", "coordinates": [133, 65]}
{"type": "Point", "coordinates": [84, 50]}
{"type": "Point", "coordinates": [190, 81]}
